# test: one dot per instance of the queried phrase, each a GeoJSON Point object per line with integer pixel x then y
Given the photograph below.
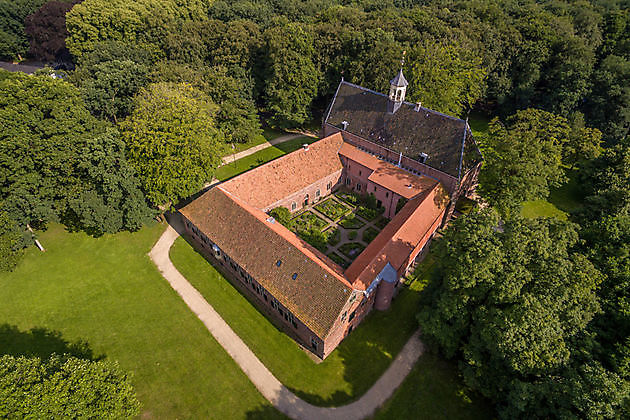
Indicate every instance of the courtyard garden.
{"type": "Point", "coordinates": [341, 226]}
{"type": "Point", "coordinates": [332, 209]}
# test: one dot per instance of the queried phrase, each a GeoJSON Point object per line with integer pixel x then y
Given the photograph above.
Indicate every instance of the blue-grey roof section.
{"type": "Point", "coordinates": [388, 274]}
{"type": "Point", "coordinates": [399, 80]}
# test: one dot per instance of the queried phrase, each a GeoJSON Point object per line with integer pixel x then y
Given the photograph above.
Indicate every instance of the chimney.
{"type": "Point", "coordinates": [423, 157]}
{"type": "Point", "coordinates": [305, 146]}
{"type": "Point", "coordinates": [344, 124]}
{"type": "Point", "coordinates": [418, 106]}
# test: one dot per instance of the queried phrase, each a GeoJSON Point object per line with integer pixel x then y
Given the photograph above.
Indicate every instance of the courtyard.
{"type": "Point", "coordinates": [340, 225]}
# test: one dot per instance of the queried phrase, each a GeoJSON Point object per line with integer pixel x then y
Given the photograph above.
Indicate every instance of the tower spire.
{"type": "Point", "coordinates": [397, 88]}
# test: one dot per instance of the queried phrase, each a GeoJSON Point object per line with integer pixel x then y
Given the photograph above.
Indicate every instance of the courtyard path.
{"type": "Point", "coordinates": [284, 138]}
{"type": "Point", "coordinates": [276, 393]}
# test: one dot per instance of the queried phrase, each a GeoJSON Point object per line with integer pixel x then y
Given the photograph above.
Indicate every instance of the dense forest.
{"type": "Point", "coordinates": [148, 95]}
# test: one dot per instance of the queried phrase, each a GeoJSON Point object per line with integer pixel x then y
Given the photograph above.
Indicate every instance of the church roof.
{"type": "Point", "coordinates": [412, 130]}
{"type": "Point", "coordinates": [399, 80]}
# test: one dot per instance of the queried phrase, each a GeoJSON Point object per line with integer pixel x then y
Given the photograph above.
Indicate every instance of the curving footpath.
{"type": "Point", "coordinates": [277, 394]}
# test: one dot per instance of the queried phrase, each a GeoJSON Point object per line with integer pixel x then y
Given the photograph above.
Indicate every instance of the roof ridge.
{"type": "Point", "coordinates": [304, 245]}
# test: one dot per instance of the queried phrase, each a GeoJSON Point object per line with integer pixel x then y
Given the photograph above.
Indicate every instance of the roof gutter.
{"type": "Point", "coordinates": [461, 156]}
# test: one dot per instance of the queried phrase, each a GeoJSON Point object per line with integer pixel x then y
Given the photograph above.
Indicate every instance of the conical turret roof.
{"type": "Point", "coordinates": [399, 80]}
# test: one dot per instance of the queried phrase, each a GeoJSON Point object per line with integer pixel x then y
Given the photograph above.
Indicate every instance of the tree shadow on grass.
{"type": "Point", "coordinates": [42, 343]}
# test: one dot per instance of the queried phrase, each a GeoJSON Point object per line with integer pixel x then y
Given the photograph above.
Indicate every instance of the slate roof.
{"type": "Point", "coordinates": [388, 176]}
{"type": "Point", "coordinates": [318, 294]}
{"type": "Point", "coordinates": [399, 80]}
{"type": "Point", "coordinates": [443, 138]}
{"type": "Point", "coordinates": [399, 238]}
{"type": "Point", "coordinates": [269, 183]}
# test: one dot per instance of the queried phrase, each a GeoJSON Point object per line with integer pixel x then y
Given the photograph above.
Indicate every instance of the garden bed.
{"type": "Point", "coordinates": [369, 234]}
{"type": "Point", "coordinates": [339, 259]}
{"type": "Point", "coordinates": [333, 235]}
{"type": "Point", "coordinates": [352, 249]}
{"type": "Point", "coordinates": [368, 213]}
{"type": "Point", "coordinates": [332, 209]}
{"type": "Point", "coordinates": [349, 197]}
{"type": "Point", "coordinates": [351, 222]}
{"type": "Point", "coordinates": [382, 222]}
{"type": "Point", "coordinates": [308, 221]}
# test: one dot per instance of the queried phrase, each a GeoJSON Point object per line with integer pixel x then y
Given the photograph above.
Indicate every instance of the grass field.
{"type": "Point", "coordinates": [262, 156]}
{"type": "Point", "coordinates": [107, 293]}
{"type": "Point", "coordinates": [267, 135]}
{"type": "Point", "coordinates": [349, 371]}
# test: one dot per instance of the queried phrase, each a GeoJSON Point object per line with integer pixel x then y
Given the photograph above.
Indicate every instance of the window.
{"type": "Point", "coordinates": [343, 316]}
{"type": "Point", "coordinates": [293, 205]}
{"type": "Point", "coordinates": [293, 323]}
{"type": "Point", "coordinates": [278, 263]}
{"type": "Point", "coordinates": [348, 181]}
{"type": "Point", "coordinates": [313, 343]}
{"type": "Point", "coordinates": [375, 188]}
{"type": "Point", "coordinates": [358, 187]}
{"type": "Point", "coordinates": [351, 317]}
{"type": "Point", "coordinates": [359, 173]}
{"type": "Point", "coordinates": [294, 276]}
{"type": "Point", "coordinates": [353, 297]}
{"type": "Point", "coordinates": [318, 193]}
{"type": "Point", "coordinates": [329, 186]}
{"type": "Point", "coordinates": [387, 194]}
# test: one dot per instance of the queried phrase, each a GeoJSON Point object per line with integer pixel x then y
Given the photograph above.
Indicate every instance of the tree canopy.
{"type": "Point", "coordinates": [54, 155]}
{"type": "Point", "coordinates": [172, 141]}
{"type": "Point", "coordinates": [513, 300]}
{"type": "Point", "coordinates": [65, 387]}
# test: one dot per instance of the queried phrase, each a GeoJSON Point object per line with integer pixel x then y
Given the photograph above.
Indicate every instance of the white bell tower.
{"type": "Point", "coordinates": [397, 89]}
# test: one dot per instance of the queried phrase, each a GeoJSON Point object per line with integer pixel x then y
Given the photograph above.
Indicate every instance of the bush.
{"type": "Point", "coordinates": [351, 222]}
{"type": "Point", "coordinates": [283, 216]}
{"type": "Point", "coordinates": [64, 387]}
{"type": "Point", "coordinates": [334, 236]}
{"type": "Point", "coordinates": [353, 235]}
{"type": "Point", "coordinates": [369, 234]}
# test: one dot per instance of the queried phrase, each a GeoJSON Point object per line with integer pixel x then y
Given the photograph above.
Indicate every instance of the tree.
{"type": "Point", "coordinates": [65, 387]}
{"type": "Point", "coordinates": [237, 116]}
{"type": "Point", "coordinates": [283, 216]}
{"type": "Point", "coordinates": [142, 22]}
{"type": "Point", "coordinates": [523, 159]}
{"type": "Point", "coordinates": [446, 78]}
{"type": "Point", "coordinates": [292, 76]}
{"type": "Point", "coordinates": [109, 87]}
{"type": "Point", "coordinates": [172, 141]}
{"type": "Point", "coordinates": [608, 106]}
{"type": "Point", "coordinates": [13, 42]}
{"type": "Point", "coordinates": [11, 243]}
{"type": "Point", "coordinates": [46, 30]}
{"type": "Point", "coordinates": [514, 304]}
{"type": "Point", "coordinates": [583, 143]}
{"type": "Point", "coordinates": [606, 181]}
{"type": "Point", "coordinates": [49, 144]}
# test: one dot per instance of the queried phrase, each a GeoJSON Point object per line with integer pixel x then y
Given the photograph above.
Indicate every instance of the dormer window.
{"type": "Point", "coordinates": [278, 263]}
{"type": "Point", "coordinates": [294, 276]}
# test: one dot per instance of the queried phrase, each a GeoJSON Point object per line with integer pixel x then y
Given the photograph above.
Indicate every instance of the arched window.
{"type": "Point", "coordinates": [318, 193]}
{"type": "Point", "coordinates": [293, 206]}
{"type": "Point", "coordinates": [329, 186]}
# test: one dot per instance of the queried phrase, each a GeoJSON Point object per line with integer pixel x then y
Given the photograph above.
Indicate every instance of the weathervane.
{"type": "Point", "coordinates": [402, 61]}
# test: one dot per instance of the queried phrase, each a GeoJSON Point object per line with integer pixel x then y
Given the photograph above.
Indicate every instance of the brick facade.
{"type": "Point", "coordinates": [313, 193]}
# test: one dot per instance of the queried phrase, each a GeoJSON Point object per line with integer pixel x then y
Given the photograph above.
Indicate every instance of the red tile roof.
{"type": "Point", "coordinates": [400, 237]}
{"type": "Point", "coordinates": [269, 183]}
{"type": "Point", "coordinates": [388, 176]}
{"type": "Point", "coordinates": [244, 233]}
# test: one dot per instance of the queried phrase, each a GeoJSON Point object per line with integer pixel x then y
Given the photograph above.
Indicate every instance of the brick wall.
{"type": "Point", "coordinates": [264, 301]}
{"type": "Point", "coordinates": [333, 180]}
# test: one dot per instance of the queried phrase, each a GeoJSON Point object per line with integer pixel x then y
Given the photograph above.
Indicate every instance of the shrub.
{"type": "Point", "coordinates": [353, 235]}
{"type": "Point", "coordinates": [282, 215]}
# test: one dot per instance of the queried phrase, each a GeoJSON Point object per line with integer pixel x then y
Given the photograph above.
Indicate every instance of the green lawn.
{"type": "Point", "coordinates": [561, 201]}
{"type": "Point", "coordinates": [349, 371]}
{"type": "Point", "coordinates": [267, 135]}
{"type": "Point", "coordinates": [345, 375]}
{"type": "Point", "coordinates": [107, 293]}
{"type": "Point", "coordinates": [433, 391]}
{"type": "Point", "coordinates": [262, 156]}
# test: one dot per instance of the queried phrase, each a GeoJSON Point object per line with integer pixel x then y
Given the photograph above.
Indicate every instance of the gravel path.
{"type": "Point", "coordinates": [276, 393]}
